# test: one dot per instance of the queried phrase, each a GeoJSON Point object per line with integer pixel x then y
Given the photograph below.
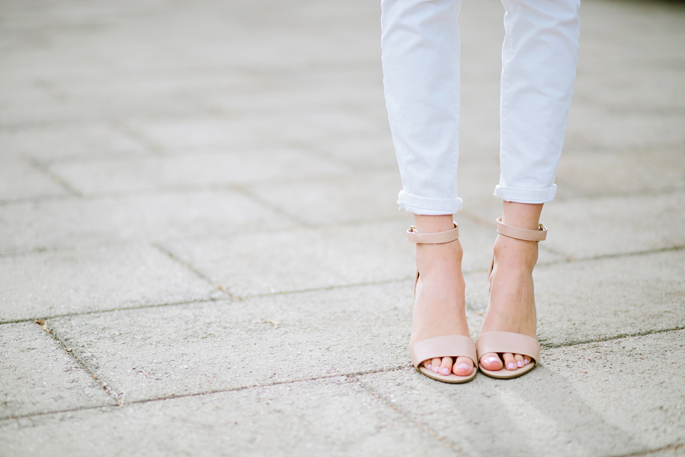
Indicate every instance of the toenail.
{"type": "Point", "coordinates": [526, 362]}
{"type": "Point", "coordinates": [491, 359]}
{"type": "Point", "coordinates": [436, 369]}
{"type": "Point", "coordinates": [519, 363]}
{"type": "Point", "coordinates": [445, 371]}
{"type": "Point", "coordinates": [465, 366]}
{"type": "Point", "coordinates": [429, 366]}
{"type": "Point", "coordinates": [511, 365]}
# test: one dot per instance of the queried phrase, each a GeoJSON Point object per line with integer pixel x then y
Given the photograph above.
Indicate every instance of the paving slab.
{"type": "Point", "coordinates": [42, 285]}
{"type": "Point", "coordinates": [205, 347]}
{"type": "Point", "coordinates": [600, 299]}
{"type": "Point", "coordinates": [329, 417]}
{"type": "Point", "coordinates": [192, 169]}
{"type": "Point", "coordinates": [584, 400]}
{"type": "Point", "coordinates": [37, 375]}
{"type": "Point", "coordinates": [336, 255]}
{"type": "Point", "coordinates": [640, 172]}
{"type": "Point", "coordinates": [595, 225]}
{"type": "Point", "coordinates": [20, 180]}
{"type": "Point", "coordinates": [363, 197]}
{"type": "Point", "coordinates": [60, 141]}
{"type": "Point", "coordinates": [251, 129]}
{"type": "Point", "coordinates": [621, 129]}
{"type": "Point", "coordinates": [155, 217]}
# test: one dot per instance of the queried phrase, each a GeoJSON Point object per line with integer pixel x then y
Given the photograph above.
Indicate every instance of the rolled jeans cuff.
{"type": "Point", "coordinates": [428, 206]}
{"type": "Point", "coordinates": [533, 196]}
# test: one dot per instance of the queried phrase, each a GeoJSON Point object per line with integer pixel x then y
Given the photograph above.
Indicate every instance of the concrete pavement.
{"type": "Point", "coordinates": [183, 187]}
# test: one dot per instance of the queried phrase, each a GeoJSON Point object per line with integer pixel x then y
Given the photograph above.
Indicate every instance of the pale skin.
{"type": "Point", "coordinates": [439, 307]}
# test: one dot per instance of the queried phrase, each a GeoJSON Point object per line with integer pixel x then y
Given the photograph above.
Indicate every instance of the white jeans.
{"type": "Point", "coordinates": [421, 46]}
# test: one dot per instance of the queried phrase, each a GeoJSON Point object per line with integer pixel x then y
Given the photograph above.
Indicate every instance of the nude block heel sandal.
{"type": "Point", "coordinates": [446, 345]}
{"type": "Point", "coordinates": [509, 342]}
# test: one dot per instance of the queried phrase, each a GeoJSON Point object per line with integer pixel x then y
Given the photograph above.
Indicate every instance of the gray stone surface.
{"type": "Point", "coordinates": [37, 376]}
{"type": "Point", "coordinates": [227, 345]}
{"type": "Point", "coordinates": [72, 222]}
{"type": "Point", "coordinates": [42, 285]}
{"type": "Point", "coordinates": [64, 141]}
{"type": "Point", "coordinates": [590, 226]}
{"type": "Point", "coordinates": [20, 180]}
{"type": "Point", "coordinates": [362, 197]}
{"type": "Point", "coordinates": [600, 299]}
{"type": "Point", "coordinates": [200, 197]}
{"type": "Point", "coordinates": [633, 171]}
{"type": "Point", "coordinates": [217, 168]}
{"type": "Point", "coordinates": [337, 255]}
{"type": "Point", "coordinates": [332, 417]}
{"type": "Point", "coordinates": [595, 399]}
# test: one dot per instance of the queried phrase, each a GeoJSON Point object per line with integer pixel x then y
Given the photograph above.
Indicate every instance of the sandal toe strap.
{"type": "Point", "coordinates": [443, 346]}
{"type": "Point", "coordinates": [508, 342]}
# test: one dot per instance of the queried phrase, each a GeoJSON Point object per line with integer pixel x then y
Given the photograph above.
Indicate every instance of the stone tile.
{"type": "Point", "coordinates": [362, 197]}
{"type": "Point", "coordinates": [38, 376]}
{"type": "Point", "coordinates": [600, 299]}
{"type": "Point", "coordinates": [301, 259]}
{"type": "Point", "coordinates": [20, 181]}
{"type": "Point", "coordinates": [650, 88]}
{"type": "Point", "coordinates": [255, 129]}
{"type": "Point", "coordinates": [333, 417]}
{"type": "Point", "coordinates": [582, 401]}
{"type": "Point", "coordinates": [54, 142]}
{"type": "Point", "coordinates": [204, 347]}
{"type": "Point", "coordinates": [242, 167]}
{"type": "Point", "coordinates": [599, 173]}
{"type": "Point", "coordinates": [316, 258]}
{"type": "Point", "coordinates": [84, 222]}
{"type": "Point", "coordinates": [619, 129]}
{"type": "Point", "coordinates": [583, 227]}
{"type": "Point", "coordinates": [107, 277]}
{"type": "Point", "coordinates": [361, 153]}
{"type": "Point", "coordinates": [349, 89]}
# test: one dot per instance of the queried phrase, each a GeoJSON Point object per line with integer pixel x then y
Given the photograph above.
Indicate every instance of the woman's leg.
{"type": "Point", "coordinates": [420, 42]}
{"type": "Point", "coordinates": [539, 60]}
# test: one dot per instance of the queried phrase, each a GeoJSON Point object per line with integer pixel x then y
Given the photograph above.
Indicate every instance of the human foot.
{"type": "Point", "coordinates": [512, 303]}
{"type": "Point", "coordinates": [439, 299]}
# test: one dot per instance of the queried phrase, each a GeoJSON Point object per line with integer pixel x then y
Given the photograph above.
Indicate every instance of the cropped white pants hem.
{"type": "Point", "coordinates": [533, 196]}
{"type": "Point", "coordinates": [428, 206]}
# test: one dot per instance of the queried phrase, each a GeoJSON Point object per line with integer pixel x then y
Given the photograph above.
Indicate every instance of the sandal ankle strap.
{"type": "Point", "coordinates": [521, 234]}
{"type": "Point", "coordinates": [433, 238]}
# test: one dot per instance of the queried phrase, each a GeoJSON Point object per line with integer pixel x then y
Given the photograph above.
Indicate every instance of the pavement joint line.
{"type": "Point", "coordinates": [613, 337]}
{"type": "Point", "coordinates": [43, 325]}
{"type": "Point", "coordinates": [110, 310]}
{"type": "Point", "coordinates": [200, 394]}
{"type": "Point", "coordinates": [670, 447]}
{"type": "Point", "coordinates": [432, 433]}
{"type": "Point", "coordinates": [295, 381]}
{"type": "Point", "coordinates": [335, 287]}
{"type": "Point", "coordinates": [192, 269]}
{"type": "Point", "coordinates": [277, 209]}
{"type": "Point", "coordinates": [136, 136]}
{"type": "Point", "coordinates": [55, 178]}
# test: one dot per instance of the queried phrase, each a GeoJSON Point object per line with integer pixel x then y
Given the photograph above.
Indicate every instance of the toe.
{"type": "Point", "coordinates": [491, 361]}
{"type": "Point", "coordinates": [519, 360]}
{"type": "Point", "coordinates": [509, 361]}
{"type": "Point", "coordinates": [526, 360]}
{"type": "Point", "coordinates": [446, 366]}
{"type": "Point", "coordinates": [436, 365]}
{"type": "Point", "coordinates": [463, 366]}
